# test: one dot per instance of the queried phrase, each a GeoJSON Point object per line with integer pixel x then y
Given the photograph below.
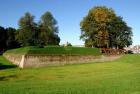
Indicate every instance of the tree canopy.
{"type": "Point", "coordinates": [8, 38]}
{"type": "Point", "coordinates": [30, 33]}
{"type": "Point", "coordinates": [3, 37]}
{"type": "Point", "coordinates": [11, 41]}
{"type": "Point", "coordinates": [26, 30]}
{"type": "Point", "coordinates": [49, 29]}
{"type": "Point", "coordinates": [43, 33]}
{"type": "Point", "coordinates": [104, 29]}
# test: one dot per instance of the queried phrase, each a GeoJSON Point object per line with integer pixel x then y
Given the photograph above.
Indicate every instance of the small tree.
{"type": "Point", "coordinates": [69, 44]}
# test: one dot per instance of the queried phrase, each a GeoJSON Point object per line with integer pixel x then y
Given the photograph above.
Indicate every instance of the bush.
{"type": "Point", "coordinates": [130, 52]}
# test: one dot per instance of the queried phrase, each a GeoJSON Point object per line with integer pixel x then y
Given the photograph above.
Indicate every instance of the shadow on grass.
{"type": "Point", "coordinates": [2, 67]}
{"type": "Point", "coordinates": [5, 78]}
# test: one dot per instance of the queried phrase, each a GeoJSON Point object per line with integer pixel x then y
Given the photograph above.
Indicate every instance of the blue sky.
{"type": "Point", "coordinates": [69, 13]}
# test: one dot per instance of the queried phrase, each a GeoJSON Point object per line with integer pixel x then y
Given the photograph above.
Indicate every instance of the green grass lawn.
{"type": "Point", "coordinates": [56, 50]}
{"type": "Point", "coordinates": [117, 77]}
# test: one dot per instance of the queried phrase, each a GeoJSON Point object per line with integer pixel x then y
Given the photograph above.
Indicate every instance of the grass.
{"type": "Point", "coordinates": [117, 77]}
{"type": "Point", "coordinates": [56, 50]}
{"type": "Point", "coordinates": [23, 50]}
{"type": "Point", "coordinates": [4, 64]}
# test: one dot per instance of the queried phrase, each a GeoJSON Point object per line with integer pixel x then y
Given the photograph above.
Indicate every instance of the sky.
{"type": "Point", "coordinates": [69, 14]}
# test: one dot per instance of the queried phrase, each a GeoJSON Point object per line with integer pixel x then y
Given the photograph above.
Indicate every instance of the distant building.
{"type": "Point", "coordinates": [135, 49]}
{"type": "Point", "coordinates": [78, 45]}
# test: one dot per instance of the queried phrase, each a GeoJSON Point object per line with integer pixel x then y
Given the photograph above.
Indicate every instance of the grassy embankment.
{"type": "Point", "coordinates": [56, 50]}
{"type": "Point", "coordinates": [117, 77]}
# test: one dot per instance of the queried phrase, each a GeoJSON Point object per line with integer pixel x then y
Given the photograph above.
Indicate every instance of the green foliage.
{"type": "Point", "coordinates": [3, 37]}
{"type": "Point", "coordinates": [7, 39]}
{"type": "Point", "coordinates": [43, 33]}
{"type": "Point", "coordinates": [56, 50]}
{"type": "Point", "coordinates": [30, 33]}
{"type": "Point", "coordinates": [26, 30]}
{"type": "Point", "coordinates": [88, 43]}
{"type": "Point", "coordinates": [69, 45]}
{"type": "Point", "coordinates": [54, 39]}
{"type": "Point", "coordinates": [116, 77]}
{"type": "Point", "coordinates": [11, 41]}
{"type": "Point", "coordinates": [103, 28]}
{"type": "Point", "coordinates": [49, 30]}
{"type": "Point", "coordinates": [120, 33]}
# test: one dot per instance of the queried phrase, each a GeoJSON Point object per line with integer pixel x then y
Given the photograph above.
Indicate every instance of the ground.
{"type": "Point", "coordinates": [55, 50]}
{"type": "Point", "coordinates": [117, 77]}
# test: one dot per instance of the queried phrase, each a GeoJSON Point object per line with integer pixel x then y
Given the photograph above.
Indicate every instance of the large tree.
{"type": "Point", "coordinates": [98, 29]}
{"type": "Point", "coordinates": [49, 30]}
{"type": "Point", "coordinates": [27, 29]}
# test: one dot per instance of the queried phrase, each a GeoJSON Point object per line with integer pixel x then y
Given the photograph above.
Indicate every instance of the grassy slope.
{"type": "Point", "coordinates": [56, 50]}
{"type": "Point", "coordinates": [118, 77]}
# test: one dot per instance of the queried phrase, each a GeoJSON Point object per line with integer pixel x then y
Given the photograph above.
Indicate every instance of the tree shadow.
{"type": "Point", "coordinates": [5, 78]}
{"type": "Point", "coordinates": [2, 66]}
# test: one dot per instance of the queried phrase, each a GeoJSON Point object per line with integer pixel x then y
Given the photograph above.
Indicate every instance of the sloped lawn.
{"type": "Point", "coordinates": [118, 77]}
